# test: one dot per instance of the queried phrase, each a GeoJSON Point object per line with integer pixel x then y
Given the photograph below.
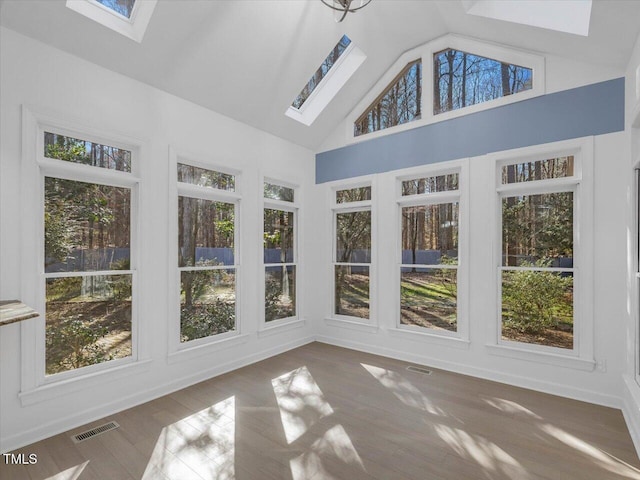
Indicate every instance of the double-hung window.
{"type": "Point", "coordinates": [429, 252]}
{"type": "Point", "coordinates": [352, 252]}
{"type": "Point", "coordinates": [88, 257]}
{"type": "Point", "coordinates": [543, 234]}
{"type": "Point", "coordinates": [208, 206]}
{"type": "Point", "coordinates": [280, 252]}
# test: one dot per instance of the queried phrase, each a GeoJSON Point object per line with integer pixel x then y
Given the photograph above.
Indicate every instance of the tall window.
{"type": "Point", "coordinates": [207, 259]}
{"type": "Point", "coordinates": [280, 252]}
{"type": "Point", "coordinates": [462, 79]}
{"type": "Point", "coordinates": [88, 262]}
{"type": "Point", "coordinates": [399, 103]}
{"type": "Point", "coordinates": [429, 208]}
{"type": "Point", "coordinates": [536, 273]}
{"type": "Point", "coordinates": [352, 252]}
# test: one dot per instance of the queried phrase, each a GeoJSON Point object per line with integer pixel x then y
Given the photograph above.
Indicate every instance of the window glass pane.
{"type": "Point", "coordinates": [205, 232]}
{"type": "Point", "coordinates": [206, 178]}
{"type": "Point", "coordinates": [353, 242]}
{"type": "Point", "coordinates": [123, 7]}
{"type": "Point", "coordinates": [280, 292]}
{"type": "Point", "coordinates": [537, 230]}
{"type": "Point", "coordinates": [322, 71]}
{"type": "Point", "coordinates": [359, 194]}
{"type": "Point", "coordinates": [278, 236]}
{"type": "Point", "coordinates": [86, 226]}
{"type": "Point", "coordinates": [207, 303]}
{"type": "Point", "coordinates": [278, 192]}
{"type": "Point", "coordinates": [538, 170]}
{"type": "Point", "coordinates": [430, 234]}
{"type": "Point", "coordinates": [400, 102]}
{"type": "Point", "coordinates": [440, 183]}
{"type": "Point", "coordinates": [537, 307]}
{"type": "Point", "coordinates": [463, 79]}
{"type": "Point", "coordinates": [352, 291]}
{"type": "Point", "coordinates": [87, 153]}
{"type": "Point", "coordinates": [88, 321]}
{"type": "Point", "coordinates": [428, 297]}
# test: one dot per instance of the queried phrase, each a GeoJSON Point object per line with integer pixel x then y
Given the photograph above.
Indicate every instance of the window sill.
{"type": "Point", "coordinates": [351, 325]}
{"type": "Point", "coordinates": [84, 382]}
{"type": "Point", "coordinates": [548, 358]}
{"type": "Point", "coordinates": [447, 340]}
{"type": "Point", "coordinates": [277, 326]}
{"type": "Point", "coordinates": [206, 348]}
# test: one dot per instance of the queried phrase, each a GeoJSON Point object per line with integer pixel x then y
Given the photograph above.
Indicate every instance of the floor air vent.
{"type": "Point", "coordinates": [422, 370]}
{"type": "Point", "coordinates": [81, 437]}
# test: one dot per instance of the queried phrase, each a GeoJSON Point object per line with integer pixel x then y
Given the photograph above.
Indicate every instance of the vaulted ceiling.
{"type": "Point", "coordinates": [248, 59]}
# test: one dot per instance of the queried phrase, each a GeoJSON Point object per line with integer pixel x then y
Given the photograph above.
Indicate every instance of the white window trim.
{"type": "Point", "coordinates": [346, 321]}
{"type": "Point", "coordinates": [287, 323]}
{"type": "Point", "coordinates": [35, 385]}
{"type": "Point", "coordinates": [337, 76]}
{"type": "Point", "coordinates": [425, 52]}
{"type": "Point", "coordinates": [582, 355]}
{"type": "Point", "coordinates": [178, 350]}
{"type": "Point", "coordinates": [635, 271]}
{"type": "Point", "coordinates": [460, 338]}
{"type": "Point", "coordinates": [133, 27]}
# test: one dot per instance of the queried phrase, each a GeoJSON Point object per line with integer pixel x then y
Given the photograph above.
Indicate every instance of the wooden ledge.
{"type": "Point", "coordinates": [12, 311]}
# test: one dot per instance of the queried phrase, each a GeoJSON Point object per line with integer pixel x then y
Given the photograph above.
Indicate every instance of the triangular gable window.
{"type": "Point", "coordinates": [399, 103]}
{"type": "Point", "coordinates": [462, 79]}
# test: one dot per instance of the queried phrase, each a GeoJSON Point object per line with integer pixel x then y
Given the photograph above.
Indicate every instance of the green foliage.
{"type": "Point", "coordinates": [273, 290]}
{"type": "Point", "coordinates": [202, 320]}
{"type": "Point", "coordinates": [533, 301]}
{"type": "Point", "coordinates": [73, 343]}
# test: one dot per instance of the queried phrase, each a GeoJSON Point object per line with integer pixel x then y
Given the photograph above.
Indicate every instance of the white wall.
{"type": "Point", "coordinates": [631, 394]}
{"type": "Point", "coordinates": [38, 76]}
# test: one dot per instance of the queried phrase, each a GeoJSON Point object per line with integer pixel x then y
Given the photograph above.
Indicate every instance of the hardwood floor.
{"type": "Point", "coordinates": [322, 412]}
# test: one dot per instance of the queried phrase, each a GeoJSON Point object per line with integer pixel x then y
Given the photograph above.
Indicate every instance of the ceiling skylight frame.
{"type": "Point", "coordinates": [133, 27]}
{"type": "Point", "coordinates": [337, 76]}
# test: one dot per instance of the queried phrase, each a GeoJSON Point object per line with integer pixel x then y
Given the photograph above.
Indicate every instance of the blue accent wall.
{"type": "Point", "coordinates": [590, 110]}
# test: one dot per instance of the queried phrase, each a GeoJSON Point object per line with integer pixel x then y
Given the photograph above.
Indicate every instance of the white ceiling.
{"type": "Point", "coordinates": [248, 59]}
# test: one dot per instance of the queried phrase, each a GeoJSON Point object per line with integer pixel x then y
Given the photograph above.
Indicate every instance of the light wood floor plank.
{"type": "Point", "coordinates": [322, 412]}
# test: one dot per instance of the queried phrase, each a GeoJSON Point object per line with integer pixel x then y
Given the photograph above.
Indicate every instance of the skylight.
{"type": "Point", "coordinates": [335, 70]}
{"type": "Point", "coordinates": [127, 17]}
{"type": "Point", "coordinates": [122, 7]}
{"type": "Point", "coordinates": [560, 15]}
{"type": "Point", "coordinates": [322, 71]}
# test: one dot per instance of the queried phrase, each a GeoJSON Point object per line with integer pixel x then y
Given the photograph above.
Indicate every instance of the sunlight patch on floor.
{"type": "Point", "coordinates": [202, 444]}
{"type": "Point", "coordinates": [70, 473]}
{"type": "Point", "coordinates": [301, 402]}
{"type": "Point", "coordinates": [334, 444]}
{"type": "Point", "coordinates": [487, 454]}
{"type": "Point", "coordinates": [510, 407]}
{"type": "Point", "coordinates": [403, 389]}
{"type": "Point", "coordinates": [603, 459]}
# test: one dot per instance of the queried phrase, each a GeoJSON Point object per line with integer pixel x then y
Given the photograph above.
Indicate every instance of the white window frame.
{"type": "Point", "coordinates": [461, 336]}
{"type": "Point", "coordinates": [294, 207]}
{"type": "Point", "coordinates": [337, 76]}
{"type": "Point", "coordinates": [133, 27]}
{"type": "Point", "coordinates": [635, 296]}
{"type": "Point", "coordinates": [581, 357]}
{"type": "Point", "coordinates": [349, 207]}
{"type": "Point", "coordinates": [35, 385]}
{"type": "Point", "coordinates": [198, 346]}
{"type": "Point", "coordinates": [426, 52]}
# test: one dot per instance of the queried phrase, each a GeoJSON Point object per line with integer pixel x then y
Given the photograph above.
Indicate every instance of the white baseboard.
{"type": "Point", "coordinates": [75, 420]}
{"type": "Point", "coordinates": [496, 376]}
{"type": "Point", "coordinates": [631, 409]}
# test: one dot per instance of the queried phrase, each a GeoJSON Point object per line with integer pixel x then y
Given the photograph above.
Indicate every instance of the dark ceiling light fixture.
{"type": "Point", "coordinates": [342, 7]}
